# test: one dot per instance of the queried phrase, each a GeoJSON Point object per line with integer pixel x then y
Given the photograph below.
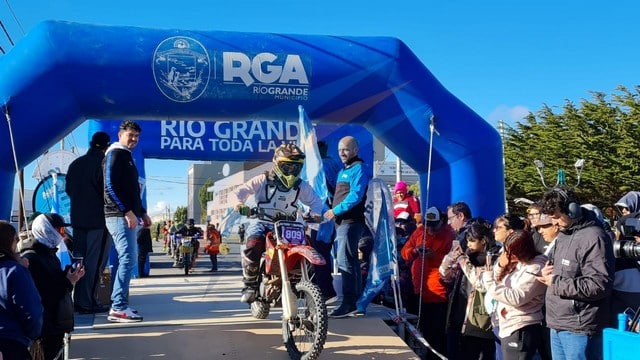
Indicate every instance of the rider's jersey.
{"type": "Point", "coordinates": [269, 196]}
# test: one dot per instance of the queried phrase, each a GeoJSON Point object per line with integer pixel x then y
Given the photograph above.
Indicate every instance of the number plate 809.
{"type": "Point", "coordinates": [292, 235]}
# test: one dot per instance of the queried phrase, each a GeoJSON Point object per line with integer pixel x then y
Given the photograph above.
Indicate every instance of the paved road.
{"type": "Point", "coordinates": [199, 317]}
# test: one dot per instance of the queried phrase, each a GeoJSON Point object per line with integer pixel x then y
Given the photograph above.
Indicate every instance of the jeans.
{"type": "Point", "coordinates": [126, 245]}
{"type": "Point", "coordinates": [347, 237]}
{"type": "Point", "coordinates": [498, 342]}
{"type": "Point", "coordinates": [574, 346]}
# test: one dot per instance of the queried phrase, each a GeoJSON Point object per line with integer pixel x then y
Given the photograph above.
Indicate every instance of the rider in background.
{"type": "Point", "coordinates": [195, 233]}
{"type": "Point", "coordinates": [278, 189]}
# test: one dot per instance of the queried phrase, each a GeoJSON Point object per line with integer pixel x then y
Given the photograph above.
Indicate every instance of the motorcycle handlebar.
{"type": "Point", "coordinates": [261, 214]}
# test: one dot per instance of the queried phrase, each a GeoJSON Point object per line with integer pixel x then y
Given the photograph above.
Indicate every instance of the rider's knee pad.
{"type": "Point", "coordinates": [254, 248]}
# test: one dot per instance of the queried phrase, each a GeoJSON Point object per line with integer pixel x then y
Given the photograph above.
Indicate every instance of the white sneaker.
{"type": "Point", "coordinates": [123, 316]}
{"type": "Point", "coordinates": [333, 301]}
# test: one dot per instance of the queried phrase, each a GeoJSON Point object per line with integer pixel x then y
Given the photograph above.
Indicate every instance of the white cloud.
{"type": "Point", "coordinates": [510, 114]}
{"type": "Point", "coordinates": [160, 207]}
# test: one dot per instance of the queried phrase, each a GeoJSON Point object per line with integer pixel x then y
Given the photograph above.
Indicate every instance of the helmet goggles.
{"type": "Point", "coordinates": [290, 168]}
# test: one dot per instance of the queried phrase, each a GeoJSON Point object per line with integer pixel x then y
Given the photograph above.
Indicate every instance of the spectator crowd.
{"type": "Point", "coordinates": [539, 286]}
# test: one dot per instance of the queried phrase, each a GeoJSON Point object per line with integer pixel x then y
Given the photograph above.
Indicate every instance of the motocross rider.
{"type": "Point", "coordinates": [278, 189]}
{"type": "Point", "coordinates": [195, 232]}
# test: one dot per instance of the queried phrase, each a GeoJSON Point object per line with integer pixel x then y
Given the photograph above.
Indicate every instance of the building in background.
{"type": "Point", "coordinates": [15, 206]}
{"type": "Point", "coordinates": [387, 171]}
{"type": "Point", "coordinates": [217, 207]}
{"type": "Point", "coordinates": [197, 175]}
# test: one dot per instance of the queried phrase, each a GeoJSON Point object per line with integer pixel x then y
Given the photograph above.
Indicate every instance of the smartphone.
{"type": "Point", "coordinates": [77, 263]}
{"type": "Point", "coordinates": [630, 313]}
{"type": "Point", "coordinates": [633, 324]}
{"type": "Point", "coordinates": [455, 244]}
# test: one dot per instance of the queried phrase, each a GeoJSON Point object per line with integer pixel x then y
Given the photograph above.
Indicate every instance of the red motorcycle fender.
{"type": "Point", "coordinates": [296, 253]}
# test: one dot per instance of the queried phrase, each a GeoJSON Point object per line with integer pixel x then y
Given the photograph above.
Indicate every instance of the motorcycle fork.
{"type": "Point", "coordinates": [305, 270]}
{"type": "Point", "coordinates": [289, 303]}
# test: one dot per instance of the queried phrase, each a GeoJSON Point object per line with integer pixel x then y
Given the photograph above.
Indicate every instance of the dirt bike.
{"type": "Point", "coordinates": [284, 280]}
{"type": "Point", "coordinates": [186, 251]}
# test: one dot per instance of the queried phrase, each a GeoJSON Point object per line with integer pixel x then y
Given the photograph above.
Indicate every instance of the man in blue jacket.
{"type": "Point", "coordinates": [348, 211]}
{"type": "Point", "coordinates": [122, 210]}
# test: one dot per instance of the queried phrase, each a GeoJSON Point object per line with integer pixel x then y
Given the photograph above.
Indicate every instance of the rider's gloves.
{"type": "Point", "coordinates": [243, 209]}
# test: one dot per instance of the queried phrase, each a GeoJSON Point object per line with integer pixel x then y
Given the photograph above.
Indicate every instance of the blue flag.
{"type": "Point", "coordinates": [312, 171]}
{"type": "Point", "coordinates": [384, 257]}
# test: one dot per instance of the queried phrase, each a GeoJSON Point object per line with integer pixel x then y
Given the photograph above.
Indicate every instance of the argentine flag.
{"type": "Point", "coordinates": [383, 264]}
{"type": "Point", "coordinates": [312, 171]}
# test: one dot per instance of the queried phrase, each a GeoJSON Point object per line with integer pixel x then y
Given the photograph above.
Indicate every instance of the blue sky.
{"type": "Point", "coordinates": [502, 58]}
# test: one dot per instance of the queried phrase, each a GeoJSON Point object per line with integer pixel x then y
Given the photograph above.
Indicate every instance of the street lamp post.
{"type": "Point", "coordinates": [560, 174]}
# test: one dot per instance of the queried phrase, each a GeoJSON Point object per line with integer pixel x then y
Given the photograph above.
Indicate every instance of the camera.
{"type": "Point", "coordinates": [626, 249]}
{"type": "Point", "coordinates": [631, 228]}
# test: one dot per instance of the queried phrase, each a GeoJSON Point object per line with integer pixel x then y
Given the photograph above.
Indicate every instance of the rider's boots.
{"type": "Point", "coordinates": [250, 280]}
{"type": "Point", "coordinates": [250, 267]}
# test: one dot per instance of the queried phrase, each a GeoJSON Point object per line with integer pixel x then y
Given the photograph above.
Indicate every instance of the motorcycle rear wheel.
{"type": "Point", "coordinates": [304, 335]}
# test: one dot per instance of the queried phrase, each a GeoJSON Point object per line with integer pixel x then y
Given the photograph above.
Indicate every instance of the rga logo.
{"type": "Point", "coordinates": [281, 77]}
{"type": "Point", "coordinates": [181, 68]}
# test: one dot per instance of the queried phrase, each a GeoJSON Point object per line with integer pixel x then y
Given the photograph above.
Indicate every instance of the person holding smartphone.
{"type": "Point", "coordinates": [53, 283]}
{"type": "Point", "coordinates": [425, 250]}
{"type": "Point", "coordinates": [520, 297]}
{"type": "Point", "coordinates": [469, 326]}
{"type": "Point", "coordinates": [579, 280]}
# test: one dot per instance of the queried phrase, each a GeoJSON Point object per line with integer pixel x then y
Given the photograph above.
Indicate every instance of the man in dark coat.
{"type": "Point", "coordinates": [91, 240]}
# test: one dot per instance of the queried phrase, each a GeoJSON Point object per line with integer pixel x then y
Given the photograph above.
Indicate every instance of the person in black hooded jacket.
{"type": "Point", "coordinates": [53, 283]}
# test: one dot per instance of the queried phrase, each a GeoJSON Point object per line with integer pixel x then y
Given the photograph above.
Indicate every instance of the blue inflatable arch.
{"type": "Point", "coordinates": [63, 73]}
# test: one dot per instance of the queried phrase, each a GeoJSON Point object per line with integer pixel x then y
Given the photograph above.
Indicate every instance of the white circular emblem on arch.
{"type": "Point", "coordinates": [181, 68]}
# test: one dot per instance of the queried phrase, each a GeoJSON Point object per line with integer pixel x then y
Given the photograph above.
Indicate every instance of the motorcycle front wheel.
{"type": "Point", "coordinates": [187, 263]}
{"type": "Point", "coordinates": [260, 309]}
{"type": "Point", "coordinates": [305, 333]}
